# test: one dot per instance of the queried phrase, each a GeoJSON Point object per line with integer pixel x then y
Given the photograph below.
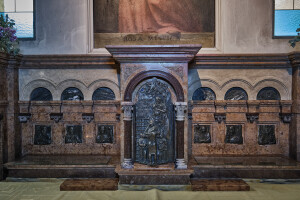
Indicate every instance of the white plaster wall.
{"type": "Point", "coordinates": [245, 27]}
{"type": "Point", "coordinates": [61, 28]}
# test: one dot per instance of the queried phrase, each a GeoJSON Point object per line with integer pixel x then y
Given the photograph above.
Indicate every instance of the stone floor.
{"type": "Point", "coordinates": [46, 189]}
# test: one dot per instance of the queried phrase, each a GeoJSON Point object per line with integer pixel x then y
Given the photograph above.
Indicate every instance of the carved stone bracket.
{"type": "Point", "coordinates": [286, 117]}
{"type": "Point", "coordinates": [56, 117]}
{"type": "Point", "coordinates": [252, 117]}
{"type": "Point", "coordinates": [127, 107]}
{"type": "Point", "coordinates": [180, 108]}
{"type": "Point", "coordinates": [219, 117]}
{"type": "Point", "coordinates": [24, 117]}
{"type": "Point", "coordinates": [118, 117]}
{"type": "Point", "coordinates": [88, 117]}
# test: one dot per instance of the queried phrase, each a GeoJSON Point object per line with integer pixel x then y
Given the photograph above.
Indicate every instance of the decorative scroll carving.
{"type": "Point", "coordinates": [88, 117]}
{"type": "Point", "coordinates": [252, 117]}
{"type": "Point", "coordinates": [266, 135]}
{"type": "Point", "coordinates": [178, 70]}
{"type": "Point", "coordinates": [234, 134]}
{"type": "Point", "coordinates": [24, 117]}
{"type": "Point", "coordinates": [42, 135]}
{"type": "Point", "coordinates": [220, 117]}
{"type": "Point", "coordinates": [73, 134]}
{"type": "Point", "coordinates": [105, 134]}
{"type": "Point", "coordinates": [286, 117]}
{"type": "Point", "coordinates": [154, 123]}
{"type": "Point", "coordinates": [202, 134]}
{"type": "Point", "coordinates": [129, 70]}
{"type": "Point", "coordinates": [56, 117]}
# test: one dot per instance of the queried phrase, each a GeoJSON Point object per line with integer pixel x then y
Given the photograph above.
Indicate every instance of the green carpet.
{"type": "Point", "coordinates": [49, 189]}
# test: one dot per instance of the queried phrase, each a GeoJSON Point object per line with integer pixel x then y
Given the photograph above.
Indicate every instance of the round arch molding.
{"type": "Point", "coordinates": [151, 74]}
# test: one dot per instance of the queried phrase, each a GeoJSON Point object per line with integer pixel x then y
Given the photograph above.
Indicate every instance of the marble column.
{"type": "Point", "coordinates": [180, 108]}
{"type": "Point", "coordinates": [127, 108]}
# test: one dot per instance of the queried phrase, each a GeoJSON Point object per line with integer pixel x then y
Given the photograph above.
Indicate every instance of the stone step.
{"type": "Point", "coordinates": [219, 185]}
{"type": "Point", "coordinates": [106, 184]}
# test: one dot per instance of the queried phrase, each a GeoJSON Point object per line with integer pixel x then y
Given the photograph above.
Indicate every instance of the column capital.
{"type": "Point", "coordinates": [127, 107]}
{"type": "Point", "coordinates": [180, 108]}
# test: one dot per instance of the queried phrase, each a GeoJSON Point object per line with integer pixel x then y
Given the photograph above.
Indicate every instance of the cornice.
{"type": "Point", "coordinates": [272, 61]}
{"type": "Point", "coordinates": [66, 61]}
{"type": "Point", "coordinates": [153, 53]}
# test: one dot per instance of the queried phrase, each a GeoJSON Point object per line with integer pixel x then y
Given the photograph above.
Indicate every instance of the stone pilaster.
{"type": "Point", "coordinates": [127, 108]}
{"type": "Point", "coordinates": [9, 76]}
{"type": "Point", "coordinates": [294, 137]}
{"type": "Point", "coordinates": [180, 108]}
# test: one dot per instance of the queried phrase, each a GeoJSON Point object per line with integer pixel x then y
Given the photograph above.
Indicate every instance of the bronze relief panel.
{"type": "Point", "coordinates": [154, 123]}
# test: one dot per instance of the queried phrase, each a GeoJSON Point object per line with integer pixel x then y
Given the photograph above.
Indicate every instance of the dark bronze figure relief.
{"type": "Point", "coordinates": [234, 134]}
{"type": "Point", "coordinates": [204, 93]}
{"type": "Point", "coordinates": [202, 134]}
{"type": "Point", "coordinates": [42, 135]}
{"type": "Point", "coordinates": [105, 134]}
{"type": "Point", "coordinates": [266, 135]}
{"type": "Point", "coordinates": [73, 134]}
{"type": "Point", "coordinates": [154, 119]}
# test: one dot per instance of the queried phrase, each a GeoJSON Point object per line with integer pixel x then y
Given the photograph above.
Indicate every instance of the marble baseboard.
{"type": "Point", "coordinates": [104, 184]}
{"type": "Point", "coordinates": [219, 185]}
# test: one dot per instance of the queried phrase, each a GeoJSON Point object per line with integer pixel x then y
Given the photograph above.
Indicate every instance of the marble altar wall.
{"type": "Point", "coordinates": [61, 141]}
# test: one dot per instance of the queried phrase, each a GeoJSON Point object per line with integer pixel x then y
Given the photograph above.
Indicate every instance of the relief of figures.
{"type": "Point", "coordinates": [154, 131]}
{"type": "Point", "coordinates": [202, 134]}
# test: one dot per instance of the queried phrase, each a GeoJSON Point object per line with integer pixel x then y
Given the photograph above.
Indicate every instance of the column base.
{"type": "Point", "coordinates": [180, 164]}
{"type": "Point", "coordinates": [127, 164]}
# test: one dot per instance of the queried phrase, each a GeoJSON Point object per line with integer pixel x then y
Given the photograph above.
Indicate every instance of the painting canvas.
{"type": "Point", "coordinates": [126, 22]}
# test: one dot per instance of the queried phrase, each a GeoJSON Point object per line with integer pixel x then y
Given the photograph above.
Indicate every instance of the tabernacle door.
{"type": "Point", "coordinates": [154, 123]}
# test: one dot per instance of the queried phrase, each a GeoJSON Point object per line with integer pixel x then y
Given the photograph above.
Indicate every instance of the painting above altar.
{"type": "Point", "coordinates": [150, 22]}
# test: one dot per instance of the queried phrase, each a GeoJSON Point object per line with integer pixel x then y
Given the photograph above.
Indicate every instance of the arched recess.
{"type": "Point", "coordinates": [103, 83]}
{"type": "Point", "coordinates": [27, 90]}
{"type": "Point", "coordinates": [150, 74]}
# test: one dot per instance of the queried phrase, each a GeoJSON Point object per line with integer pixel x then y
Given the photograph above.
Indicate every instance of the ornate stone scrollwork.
{"type": "Point", "coordinates": [252, 117]}
{"type": "Point", "coordinates": [127, 107]}
{"type": "Point", "coordinates": [286, 117]}
{"type": "Point", "coordinates": [88, 117]}
{"type": "Point", "coordinates": [24, 117]}
{"type": "Point", "coordinates": [219, 117]}
{"type": "Point", "coordinates": [180, 108]}
{"type": "Point", "coordinates": [56, 117]}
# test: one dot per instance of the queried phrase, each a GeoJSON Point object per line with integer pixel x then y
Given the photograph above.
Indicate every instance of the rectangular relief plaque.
{"type": "Point", "coordinates": [105, 134]}
{"type": "Point", "coordinates": [73, 134]}
{"type": "Point", "coordinates": [266, 135]}
{"type": "Point", "coordinates": [42, 135]}
{"type": "Point", "coordinates": [202, 134]}
{"type": "Point", "coordinates": [234, 134]}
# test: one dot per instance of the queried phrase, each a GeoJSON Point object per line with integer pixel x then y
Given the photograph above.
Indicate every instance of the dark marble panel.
{"type": "Point", "coordinates": [266, 135]}
{"type": "Point", "coordinates": [268, 93]}
{"type": "Point", "coordinates": [73, 134]}
{"type": "Point", "coordinates": [103, 93]}
{"type": "Point", "coordinates": [234, 134]}
{"type": "Point", "coordinates": [236, 93]}
{"type": "Point", "coordinates": [204, 93]}
{"type": "Point", "coordinates": [42, 135]}
{"type": "Point", "coordinates": [202, 134]}
{"type": "Point", "coordinates": [105, 134]}
{"type": "Point", "coordinates": [72, 94]}
{"type": "Point", "coordinates": [41, 94]}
